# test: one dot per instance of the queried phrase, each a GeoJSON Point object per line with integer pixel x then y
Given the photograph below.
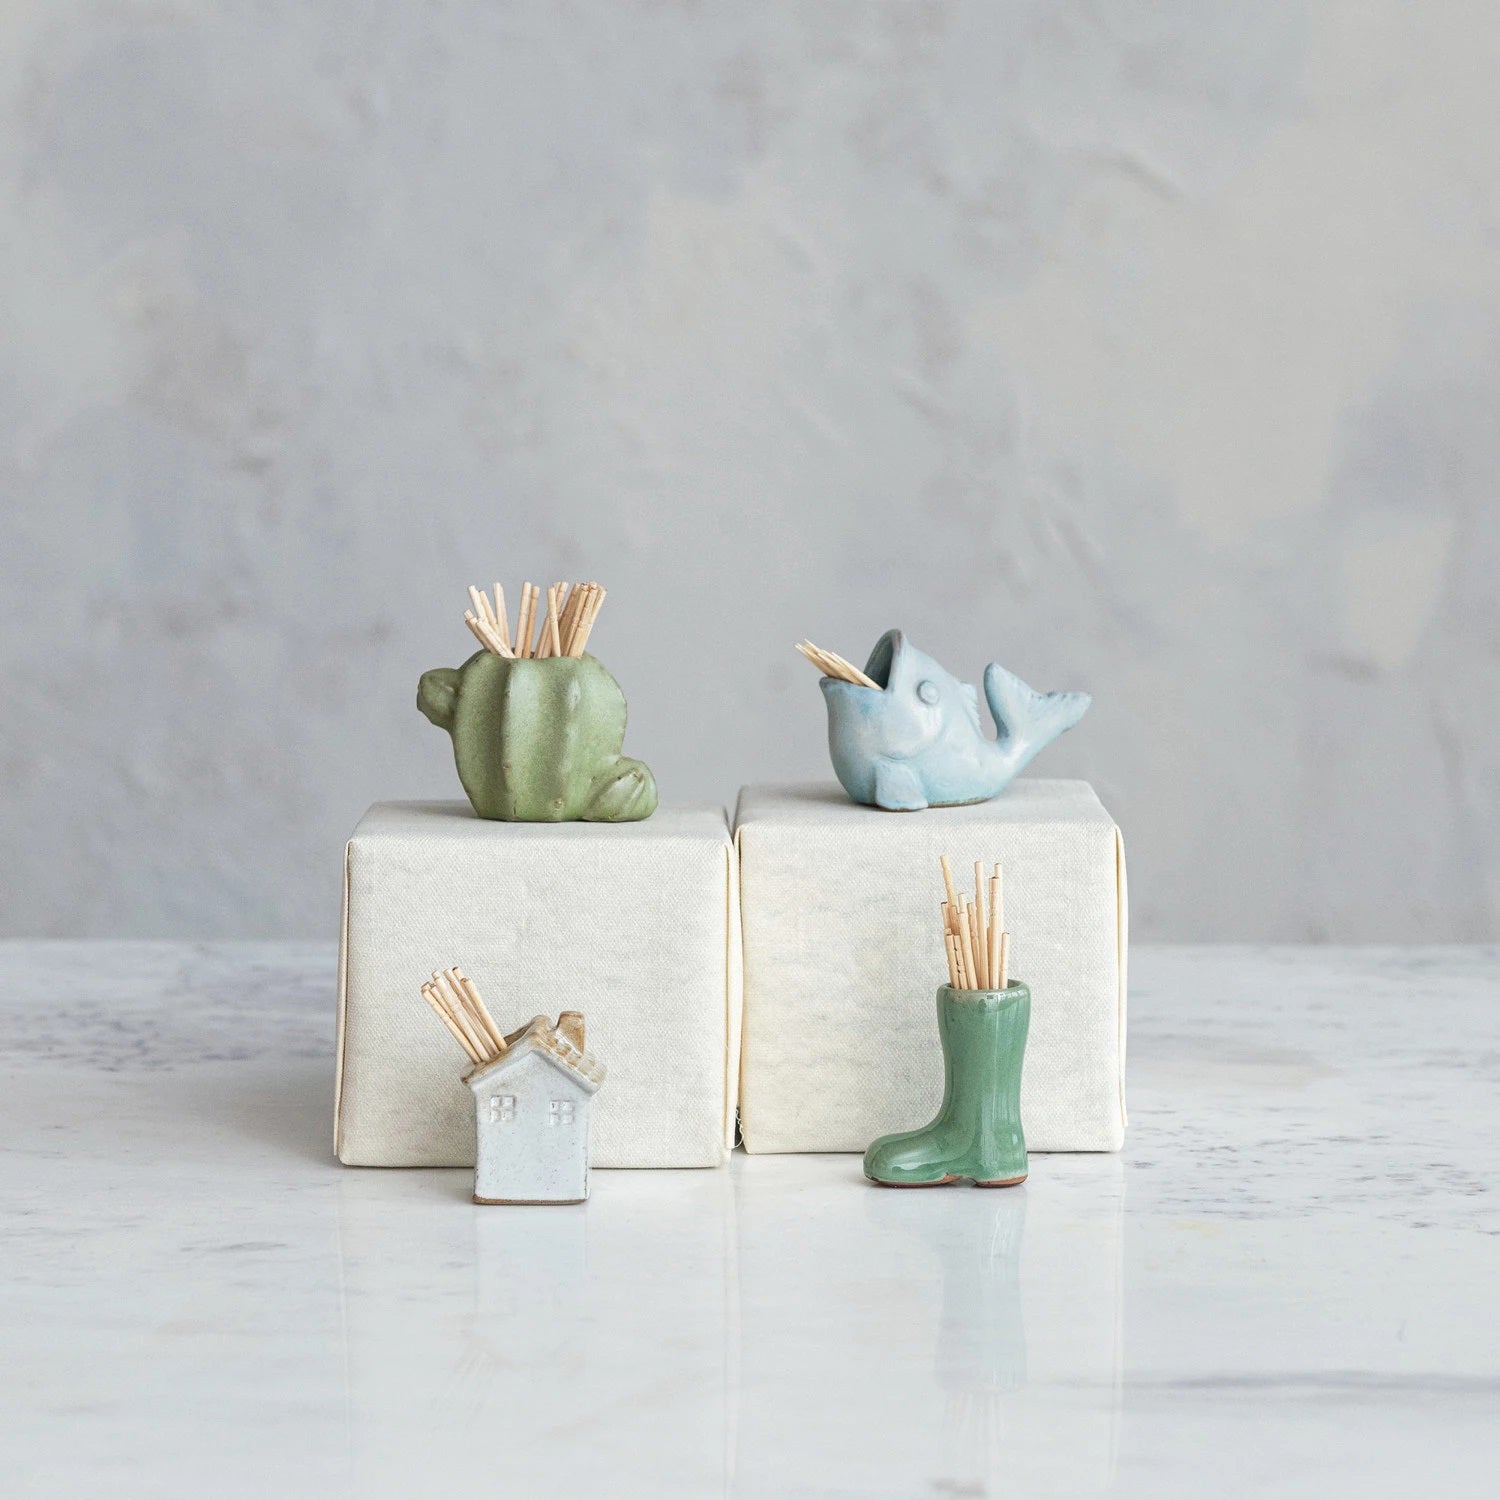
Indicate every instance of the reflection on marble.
{"type": "Point", "coordinates": [1283, 1286]}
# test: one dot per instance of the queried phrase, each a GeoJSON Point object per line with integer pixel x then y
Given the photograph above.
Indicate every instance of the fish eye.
{"type": "Point", "coordinates": [927, 691]}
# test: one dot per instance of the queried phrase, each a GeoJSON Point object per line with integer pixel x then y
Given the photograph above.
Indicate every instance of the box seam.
{"type": "Point", "coordinates": [733, 1025]}
{"type": "Point", "coordinates": [739, 860]}
{"type": "Point", "coordinates": [1122, 909]}
{"type": "Point", "coordinates": [338, 1051]}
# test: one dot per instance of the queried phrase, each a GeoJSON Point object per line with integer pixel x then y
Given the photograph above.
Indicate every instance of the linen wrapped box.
{"type": "Point", "coordinates": [635, 924]}
{"type": "Point", "coordinates": [843, 957]}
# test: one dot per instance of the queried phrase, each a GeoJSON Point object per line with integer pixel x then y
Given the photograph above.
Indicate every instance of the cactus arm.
{"type": "Point", "coordinates": [437, 695]}
{"type": "Point", "coordinates": [624, 791]}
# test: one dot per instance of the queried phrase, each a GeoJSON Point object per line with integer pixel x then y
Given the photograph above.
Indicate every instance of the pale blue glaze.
{"type": "Point", "coordinates": [916, 741]}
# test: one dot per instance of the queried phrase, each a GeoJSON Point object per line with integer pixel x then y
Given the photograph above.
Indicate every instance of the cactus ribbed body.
{"type": "Point", "coordinates": [538, 741]}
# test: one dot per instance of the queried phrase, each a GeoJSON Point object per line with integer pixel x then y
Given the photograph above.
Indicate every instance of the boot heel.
{"type": "Point", "coordinates": [1002, 1181]}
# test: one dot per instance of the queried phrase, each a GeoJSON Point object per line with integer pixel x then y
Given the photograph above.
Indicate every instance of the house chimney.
{"type": "Point", "coordinates": [570, 1027]}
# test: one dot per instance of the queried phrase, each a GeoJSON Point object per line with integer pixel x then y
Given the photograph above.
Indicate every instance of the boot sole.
{"type": "Point", "coordinates": [944, 1181]}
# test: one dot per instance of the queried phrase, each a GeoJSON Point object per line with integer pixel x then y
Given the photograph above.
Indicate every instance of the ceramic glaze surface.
{"type": "Point", "coordinates": [539, 741]}
{"type": "Point", "coordinates": [976, 1134]}
{"type": "Point", "coordinates": [1280, 1288]}
{"type": "Point", "coordinates": [531, 1123]}
{"type": "Point", "coordinates": [917, 742]}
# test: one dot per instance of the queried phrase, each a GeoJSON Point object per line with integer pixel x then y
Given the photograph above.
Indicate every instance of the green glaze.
{"type": "Point", "coordinates": [539, 741]}
{"type": "Point", "coordinates": [977, 1132]}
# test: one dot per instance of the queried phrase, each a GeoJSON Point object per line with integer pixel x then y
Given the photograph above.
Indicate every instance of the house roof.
{"type": "Point", "coordinates": [541, 1036]}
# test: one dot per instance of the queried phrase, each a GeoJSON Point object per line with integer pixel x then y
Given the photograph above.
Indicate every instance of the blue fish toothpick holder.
{"type": "Point", "coordinates": [915, 739]}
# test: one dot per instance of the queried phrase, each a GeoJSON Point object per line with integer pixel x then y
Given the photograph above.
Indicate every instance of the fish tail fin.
{"type": "Point", "coordinates": [1027, 721]}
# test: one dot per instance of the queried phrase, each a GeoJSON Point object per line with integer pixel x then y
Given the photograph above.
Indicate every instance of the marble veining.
{"type": "Point", "coordinates": [1282, 1286]}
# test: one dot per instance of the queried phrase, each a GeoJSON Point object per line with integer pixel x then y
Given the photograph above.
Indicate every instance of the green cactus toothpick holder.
{"type": "Point", "coordinates": [539, 740]}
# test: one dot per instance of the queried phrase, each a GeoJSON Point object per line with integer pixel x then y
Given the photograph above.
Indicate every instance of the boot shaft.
{"type": "Point", "coordinates": [983, 1034]}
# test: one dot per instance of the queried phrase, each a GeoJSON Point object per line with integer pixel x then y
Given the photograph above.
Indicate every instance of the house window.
{"type": "Point", "coordinates": [560, 1112]}
{"type": "Point", "coordinates": [502, 1108]}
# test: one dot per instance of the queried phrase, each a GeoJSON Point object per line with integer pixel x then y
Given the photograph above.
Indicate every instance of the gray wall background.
{"type": "Point", "coordinates": [1152, 349]}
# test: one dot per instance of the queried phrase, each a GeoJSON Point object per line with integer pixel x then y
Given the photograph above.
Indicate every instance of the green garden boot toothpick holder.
{"type": "Point", "coordinates": [538, 740]}
{"type": "Point", "coordinates": [977, 1133]}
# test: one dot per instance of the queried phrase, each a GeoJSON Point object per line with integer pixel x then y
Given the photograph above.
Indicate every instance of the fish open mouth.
{"type": "Point", "coordinates": [885, 660]}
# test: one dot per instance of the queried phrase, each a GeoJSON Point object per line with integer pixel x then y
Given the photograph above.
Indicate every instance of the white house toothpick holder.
{"type": "Point", "coordinates": [532, 1091]}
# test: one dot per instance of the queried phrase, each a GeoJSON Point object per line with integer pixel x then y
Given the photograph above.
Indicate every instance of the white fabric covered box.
{"type": "Point", "coordinates": [634, 924]}
{"type": "Point", "coordinates": [843, 957]}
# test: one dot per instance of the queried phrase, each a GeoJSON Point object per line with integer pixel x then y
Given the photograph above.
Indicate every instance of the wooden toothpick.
{"type": "Point", "coordinates": [591, 608]}
{"type": "Point", "coordinates": [525, 625]}
{"type": "Point", "coordinates": [477, 630]}
{"type": "Point", "coordinates": [976, 937]}
{"type": "Point", "coordinates": [833, 665]}
{"type": "Point", "coordinates": [484, 633]}
{"type": "Point", "coordinates": [430, 996]}
{"type": "Point", "coordinates": [502, 623]}
{"type": "Point", "coordinates": [966, 944]}
{"type": "Point", "coordinates": [554, 640]}
{"type": "Point", "coordinates": [579, 604]}
{"type": "Point", "coordinates": [569, 616]}
{"type": "Point", "coordinates": [456, 1004]}
{"type": "Point", "coordinates": [481, 603]}
{"type": "Point", "coordinates": [995, 932]}
{"type": "Point", "coordinates": [952, 899]}
{"type": "Point", "coordinates": [544, 635]}
{"type": "Point", "coordinates": [478, 1009]}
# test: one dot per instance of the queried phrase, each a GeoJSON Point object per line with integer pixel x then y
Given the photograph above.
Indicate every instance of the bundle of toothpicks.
{"type": "Point", "coordinates": [831, 664]}
{"type": "Point", "coordinates": [563, 630]}
{"type": "Point", "coordinates": [456, 1002]}
{"type": "Point", "coordinates": [974, 935]}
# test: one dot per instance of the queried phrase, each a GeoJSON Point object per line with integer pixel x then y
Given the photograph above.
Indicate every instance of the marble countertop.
{"type": "Point", "coordinates": [1285, 1285]}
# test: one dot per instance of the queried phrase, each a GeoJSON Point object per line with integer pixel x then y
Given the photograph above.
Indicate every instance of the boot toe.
{"type": "Point", "coordinates": [905, 1160]}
